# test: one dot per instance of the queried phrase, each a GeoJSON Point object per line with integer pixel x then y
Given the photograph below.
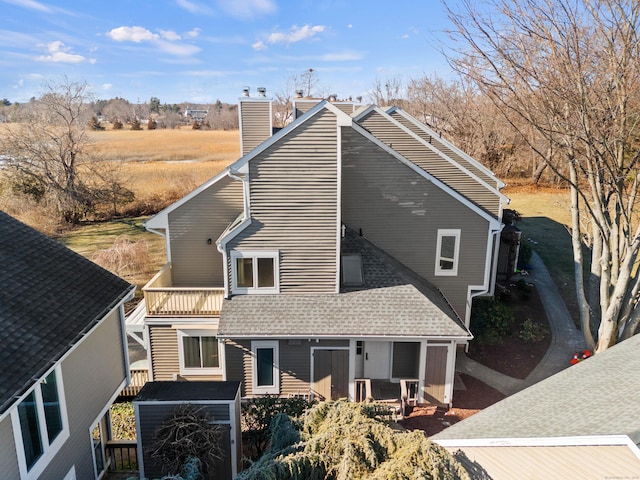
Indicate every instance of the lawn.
{"type": "Point", "coordinates": [546, 220]}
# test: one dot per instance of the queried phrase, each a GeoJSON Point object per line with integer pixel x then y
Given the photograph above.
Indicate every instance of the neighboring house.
{"type": "Point", "coordinates": [63, 357]}
{"type": "Point", "coordinates": [580, 423]}
{"type": "Point", "coordinates": [199, 115]}
{"type": "Point", "coordinates": [337, 258]}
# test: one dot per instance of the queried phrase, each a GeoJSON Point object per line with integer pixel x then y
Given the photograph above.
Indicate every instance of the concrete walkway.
{"type": "Point", "coordinates": [565, 339]}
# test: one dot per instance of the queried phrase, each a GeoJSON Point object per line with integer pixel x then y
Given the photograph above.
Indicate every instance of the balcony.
{"type": "Point", "coordinates": [164, 300]}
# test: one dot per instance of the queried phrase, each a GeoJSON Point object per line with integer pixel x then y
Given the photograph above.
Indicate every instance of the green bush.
{"type": "Point", "coordinates": [257, 416]}
{"type": "Point", "coordinates": [525, 253]}
{"type": "Point", "coordinates": [532, 331]}
{"type": "Point", "coordinates": [491, 320]}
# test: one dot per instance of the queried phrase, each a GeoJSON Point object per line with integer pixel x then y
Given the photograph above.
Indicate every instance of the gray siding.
{"type": "Point", "coordinates": [92, 375]}
{"type": "Point", "coordinates": [294, 363]}
{"type": "Point", "coordinates": [255, 123]}
{"type": "Point", "coordinates": [431, 162]}
{"type": "Point", "coordinates": [303, 106]}
{"type": "Point", "coordinates": [443, 147]}
{"type": "Point", "coordinates": [195, 263]}
{"type": "Point", "coordinates": [152, 416]}
{"type": "Point", "coordinates": [401, 212]}
{"type": "Point", "coordinates": [8, 459]}
{"type": "Point", "coordinates": [294, 206]}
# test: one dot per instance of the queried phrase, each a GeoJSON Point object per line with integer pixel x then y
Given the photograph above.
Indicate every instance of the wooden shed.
{"type": "Point", "coordinates": [156, 402]}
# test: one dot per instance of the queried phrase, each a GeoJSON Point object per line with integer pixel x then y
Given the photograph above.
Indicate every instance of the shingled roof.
{"type": "Point", "coordinates": [50, 297]}
{"type": "Point", "coordinates": [392, 302]}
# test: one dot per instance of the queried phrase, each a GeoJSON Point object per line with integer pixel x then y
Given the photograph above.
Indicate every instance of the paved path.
{"type": "Point", "coordinates": [565, 339]}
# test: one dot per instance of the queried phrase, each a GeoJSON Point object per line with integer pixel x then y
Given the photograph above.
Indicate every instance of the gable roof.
{"type": "Point", "coordinates": [50, 297]}
{"type": "Point", "coordinates": [393, 302]}
{"type": "Point", "coordinates": [598, 396]}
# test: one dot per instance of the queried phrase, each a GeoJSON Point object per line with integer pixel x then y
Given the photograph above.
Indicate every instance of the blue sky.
{"type": "Point", "coordinates": [202, 50]}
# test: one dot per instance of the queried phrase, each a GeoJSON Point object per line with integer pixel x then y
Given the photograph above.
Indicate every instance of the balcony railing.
{"type": "Point", "coordinates": [163, 299]}
{"type": "Point", "coordinates": [139, 376]}
{"type": "Point", "coordinates": [122, 456]}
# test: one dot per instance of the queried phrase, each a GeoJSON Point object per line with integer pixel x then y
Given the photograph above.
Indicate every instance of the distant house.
{"type": "Point", "coordinates": [63, 357]}
{"type": "Point", "coordinates": [336, 258]}
{"type": "Point", "coordinates": [196, 114]}
{"type": "Point", "coordinates": [580, 423]}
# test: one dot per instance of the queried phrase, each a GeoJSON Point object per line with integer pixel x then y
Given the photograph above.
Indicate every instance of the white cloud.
{"type": "Point", "coordinates": [193, 33]}
{"type": "Point", "coordinates": [259, 45]}
{"type": "Point", "coordinates": [131, 34]}
{"type": "Point", "coordinates": [177, 49]}
{"type": "Point", "coordinates": [247, 9]}
{"type": "Point", "coordinates": [107, 86]}
{"type": "Point", "coordinates": [342, 57]}
{"type": "Point", "coordinates": [195, 8]}
{"type": "Point", "coordinates": [170, 35]}
{"type": "Point", "coordinates": [296, 34]}
{"type": "Point", "coordinates": [59, 53]}
{"type": "Point", "coordinates": [31, 4]}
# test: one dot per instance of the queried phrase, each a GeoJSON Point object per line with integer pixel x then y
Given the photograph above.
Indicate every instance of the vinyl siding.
{"type": "Point", "coordinates": [8, 459]}
{"type": "Point", "coordinates": [412, 149]}
{"type": "Point", "coordinates": [294, 363]}
{"type": "Point", "coordinates": [255, 123]}
{"type": "Point", "coordinates": [195, 263]}
{"type": "Point", "coordinates": [92, 375]}
{"type": "Point", "coordinates": [302, 107]}
{"type": "Point", "coordinates": [152, 416]}
{"type": "Point", "coordinates": [165, 356]}
{"type": "Point", "coordinates": [443, 147]}
{"type": "Point", "coordinates": [164, 352]}
{"type": "Point", "coordinates": [400, 211]}
{"type": "Point", "coordinates": [294, 202]}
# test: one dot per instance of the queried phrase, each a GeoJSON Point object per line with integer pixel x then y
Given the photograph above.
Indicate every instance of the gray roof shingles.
{"type": "Point", "coordinates": [393, 302]}
{"type": "Point", "coordinates": [49, 298]}
{"type": "Point", "coordinates": [598, 396]}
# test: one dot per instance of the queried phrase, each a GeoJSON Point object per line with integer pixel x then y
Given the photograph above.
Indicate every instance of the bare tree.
{"type": "Point", "coordinates": [565, 73]}
{"type": "Point", "coordinates": [48, 150]}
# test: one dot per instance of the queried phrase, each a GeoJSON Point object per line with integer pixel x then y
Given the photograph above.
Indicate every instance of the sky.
{"type": "Point", "coordinates": [200, 51]}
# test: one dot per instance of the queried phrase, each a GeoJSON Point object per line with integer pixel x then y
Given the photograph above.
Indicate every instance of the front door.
{"type": "Point", "coordinates": [377, 360]}
{"type": "Point", "coordinates": [436, 374]}
{"type": "Point", "coordinates": [330, 374]}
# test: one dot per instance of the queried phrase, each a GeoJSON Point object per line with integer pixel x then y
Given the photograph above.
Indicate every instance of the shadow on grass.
{"type": "Point", "coordinates": [551, 240]}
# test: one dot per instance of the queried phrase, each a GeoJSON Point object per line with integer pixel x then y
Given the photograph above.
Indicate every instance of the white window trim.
{"type": "Point", "coordinates": [208, 332]}
{"type": "Point", "coordinates": [255, 254]}
{"type": "Point", "coordinates": [49, 451]}
{"type": "Point", "coordinates": [265, 389]}
{"type": "Point", "coordinates": [448, 233]}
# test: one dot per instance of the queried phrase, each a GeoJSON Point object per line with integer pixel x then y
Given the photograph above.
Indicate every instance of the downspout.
{"type": "Point", "coordinates": [222, 246]}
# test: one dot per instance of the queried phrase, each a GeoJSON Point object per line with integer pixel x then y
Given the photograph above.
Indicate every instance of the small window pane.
{"type": "Point", "coordinates": [96, 438]}
{"type": "Point", "coordinates": [244, 269]}
{"type": "Point", "coordinates": [28, 414]}
{"type": "Point", "coordinates": [264, 365]}
{"type": "Point", "coordinates": [191, 350]}
{"type": "Point", "coordinates": [448, 247]}
{"type": "Point", "coordinates": [52, 414]}
{"type": "Point", "coordinates": [265, 273]}
{"type": "Point", "coordinates": [352, 270]}
{"type": "Point", "coordinates": [210, 352]}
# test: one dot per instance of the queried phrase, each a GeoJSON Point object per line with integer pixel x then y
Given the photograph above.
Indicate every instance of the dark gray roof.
{"type": "Point", "coordinates": [393, 302]}
{"type": "Point", "coordinates": [598, 396]}
{"type": "Point", "coordinates": [187, 391]}
{"type": "Point", "coordinates": [49, 297]}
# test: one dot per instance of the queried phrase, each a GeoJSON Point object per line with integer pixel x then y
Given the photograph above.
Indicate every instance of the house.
{"type": "Point", "coordinates": [336, 258]}
{"type": "Point", "coordinates": [582, 422]}
{"type": "Point", "coordinates": [63, 357]}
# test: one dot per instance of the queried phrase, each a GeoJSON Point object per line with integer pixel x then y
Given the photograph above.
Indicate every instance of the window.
{"type": "Point", "coordinates": [447, 250]}
{"type": "Point", "coordinates": [266, 375]}
{"type": "Point", "coordinates": [254, 272]}
{"type": "Point", "coordinates": [352, 270]}
{"type": "Point", "coordinates": [199, 352]}
{"type": "Point", "coordinates": [40, 425]}
{"type": "Point", "coordinates": [97, 443]}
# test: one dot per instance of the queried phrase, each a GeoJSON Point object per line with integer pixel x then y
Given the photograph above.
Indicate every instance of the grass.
{"type": "Point", "coordinates": [546, 220]}
{"type": "Point", "coordinates": [88, 240]}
